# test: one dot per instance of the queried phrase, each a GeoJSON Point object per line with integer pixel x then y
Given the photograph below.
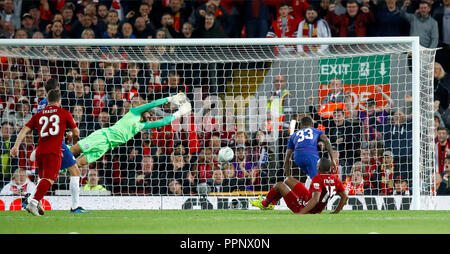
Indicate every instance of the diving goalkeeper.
{"type": "Point", "coordinates": [94, 146]}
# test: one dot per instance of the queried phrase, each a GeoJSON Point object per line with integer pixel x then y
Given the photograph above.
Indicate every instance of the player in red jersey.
{"type": "Point", "coordinates": [301, 200]}
{"type": "Point", "coordinates": [51, 123]}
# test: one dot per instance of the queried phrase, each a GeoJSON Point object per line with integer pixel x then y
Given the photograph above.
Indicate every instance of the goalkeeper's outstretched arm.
{"type": "Point", "coordinates": [184, 109]}
{"type": "Point", "coordinates": [176, 99]}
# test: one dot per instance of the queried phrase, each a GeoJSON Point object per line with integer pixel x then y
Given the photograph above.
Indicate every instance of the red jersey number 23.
{"type": "Point", "coordinates": [47, 130]}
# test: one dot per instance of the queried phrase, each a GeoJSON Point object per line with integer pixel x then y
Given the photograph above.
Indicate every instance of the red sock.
{"type": "Point", "coordinates": [42, 188]}
{"type": "Point", "coordinates": [272, 197]}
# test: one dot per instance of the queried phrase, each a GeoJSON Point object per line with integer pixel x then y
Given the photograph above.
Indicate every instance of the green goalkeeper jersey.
{"type": "Point", "coordinates": [130, 124]}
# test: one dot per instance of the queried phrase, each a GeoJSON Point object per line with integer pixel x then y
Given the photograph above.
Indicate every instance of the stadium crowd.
{"type": "Point", "coordinates": [374, 147]}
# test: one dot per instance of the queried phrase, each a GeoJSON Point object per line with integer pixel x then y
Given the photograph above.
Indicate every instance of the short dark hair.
{"type": "Point", "coordinates": [283, 5]}
{"type": "Point", "coordinates": [54, 95]}
{"type": "Point", "coordinates": [307, 121]}
{"type": "Point", "coordinates": [51, 84]}
{"type": "Point", "coordinates": [424, 2]}
{"type": "Point", "coordinates": [324, 164]}
{"type": "Point", "coordinates": [440, 128]}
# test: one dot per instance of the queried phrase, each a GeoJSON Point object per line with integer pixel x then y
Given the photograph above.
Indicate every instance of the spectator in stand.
{"type": "Point", "coordinates": [388, 21]}
{"type": "Point", "coordinates": [369, 164]}
{"type": "Point", "coordinates": [102, 13]}
{"type": "Point", "coordinates": [245, 168]}
{"type": "Point", "coordinates": [400, 187]}
{"type": "Point", "coordinates": [174, 86]}
{"type": "Point", "coordinates": [441, 87]}
{"type": "Point", "coordinates": [19, 185]}
{"type": "Point", "coordinates": [180, 11]}
{"type": "Point", "coordinates": [6, 139]}
{"type": "Point", "coordinates": [84, 122]}
{"type": "Point", "coordinates": [129, 89]}
{"type": "Point", "coordinates": [8, 30]}
{"type": "Point", "coordinates": [57, 31]}
{"type": "Point", "coordinates": [398, 139]}
{"type": "Point", "coordinates": [422, 24]}
{"type": "Point", "coordinates": [113, 17]}
{"type": "Point", "coordinates": [126, 31]}
{"type": "Point", "coordinates": [213, 6]}
{"type": "Point", "coordinates": [440, 14]}
{"type": "Point", "coordinates": [102, 121]}
{"type": "Point", "coordinates": [148, 176]}
{"type": "Point", "coordinates": [312, 26]}
{"type": "Point", "coordinates": [203, 168]}
{"type": "Point", "coordinates": [284, 26]}
{"type": "Point", "coordinates": [142, 29]}
{"type": "Point", "coordinates": [79, 97]}
{"type": "Point", "coordinates": [222, 183]}
{"type": "Point", "coordinates": [187, 30]}
{"type": "Point", "coordinates": [27, 24]}
{"type": "Point", "coordinates": [281, 105]}
{"type": "Point", "coordinates": [21, 114]}
{"type": "Point", "coordinates": [442, 148]}
{"type": "Point", "coordinates": [373, 118]}
{"type": "Point", "coordinates": [175, 188]}
{"type": "Point", "coordinates": [93, 182]}
{"type": "Point", "coordinates": [115, 104]}
{"type": "Point", "coordinates": [85, 21]}
{"type": "Point", "coordinates": [352, 24]}
{"type": "Point", "coordinates": [442, 186]}
{"type": "Point", "coordinates": [210, 28]}
{"type": "Point", "coordinates": [256, 18]}
{"type": "Point", "coordinates": [68, 13]}
{"type": "Point", "coordinates": [99, 96]}
{"type": "Point", "coordinates": [383, 180]}
{"type": "Point", "coordinates": [10, 14]}
{"type": "Point", "coordinates": [112, 31]}
{"type": "Point", "coordinates": [178, 169]}
{"type": "Point", "coordinates": [345, 136]}
{"type": "Point", "coordinates": [355, 184]}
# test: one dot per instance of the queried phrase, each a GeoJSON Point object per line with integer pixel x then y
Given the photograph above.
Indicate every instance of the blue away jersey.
{"type": "Point", "coordinates": [305, 141]}
{"type": "Point", "coordinates": [42, 104]}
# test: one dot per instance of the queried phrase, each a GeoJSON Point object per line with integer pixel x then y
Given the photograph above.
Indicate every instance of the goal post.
{"type": "Point", "coordinates": [230, 84]}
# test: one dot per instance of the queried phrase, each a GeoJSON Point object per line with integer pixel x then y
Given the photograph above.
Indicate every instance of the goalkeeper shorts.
{"type": "Point", "coordinates": [95, 145]}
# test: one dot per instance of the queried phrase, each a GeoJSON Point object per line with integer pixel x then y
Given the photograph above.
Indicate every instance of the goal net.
{"type": "Point", "coordinates": [249, 95]}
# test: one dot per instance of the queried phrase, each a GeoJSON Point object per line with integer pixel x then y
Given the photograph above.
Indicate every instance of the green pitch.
{"type": "Point", "coordinates": [225, 222]}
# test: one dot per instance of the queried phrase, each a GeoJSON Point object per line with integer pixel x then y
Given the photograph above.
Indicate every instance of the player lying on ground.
{"type": "Point", "coordinates": [99, 142]}
{"type": "Point", "coordinates": [51, 123]}
{"type": "Point", "coordinates": [302, 146]}
{"type": "Point", "coordinates": [68, 160]}
{"type": "Point", "coordinates": [301, 200]}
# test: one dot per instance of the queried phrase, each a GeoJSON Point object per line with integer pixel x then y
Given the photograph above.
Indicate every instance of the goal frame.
{"type": "Point", "coordinates": [412, 40]}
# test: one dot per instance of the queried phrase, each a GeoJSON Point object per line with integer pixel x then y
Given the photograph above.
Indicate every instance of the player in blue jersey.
{"type": "Point", "coordinates": [302, 146]}
{"type": "Point", "coordinates": [68, 160]}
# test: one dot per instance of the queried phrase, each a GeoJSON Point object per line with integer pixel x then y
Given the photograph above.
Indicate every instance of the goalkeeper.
{"type": "Point", "coordinates": [94, 146]}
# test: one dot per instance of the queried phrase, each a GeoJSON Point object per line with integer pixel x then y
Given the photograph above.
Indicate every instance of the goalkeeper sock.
{"type": "Point", "coordinates": [75, 190]}
{"type": "Point", "coordinates": [272, 197]}
{"type": "Point", "coordinates": [42, 188]}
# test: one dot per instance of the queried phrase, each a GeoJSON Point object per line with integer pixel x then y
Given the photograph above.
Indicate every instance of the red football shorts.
{"type": "Point", "coordinates": [297, 198]}
{"type": "Point", "coordinates": [48, 165]}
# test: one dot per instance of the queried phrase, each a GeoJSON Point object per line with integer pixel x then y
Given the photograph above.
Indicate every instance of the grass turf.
{"type": "Point", "coordinates": [225, 222]}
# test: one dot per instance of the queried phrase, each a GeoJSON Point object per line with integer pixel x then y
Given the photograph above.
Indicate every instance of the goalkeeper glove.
{"type": "Point", "coordinates": [184, 109]}
{"type": "Point", "coordinates": [178, 99]}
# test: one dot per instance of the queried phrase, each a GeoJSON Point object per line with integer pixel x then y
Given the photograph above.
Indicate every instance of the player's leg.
{"type": "Point", "coordinates": [297, 198]}
{"type": "Point", "coordinates": [70, 163]}
{"type": "Point", "coordinates": [269, 202]}
{"type": "Point", "coordinates": [48, 166]}
{"type": "Point", "coordinates": [82, 161]}
{"type": "Point", "coordinates": [75, 149]}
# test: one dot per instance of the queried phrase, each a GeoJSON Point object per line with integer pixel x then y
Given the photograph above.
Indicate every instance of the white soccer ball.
{"type": "Point", "coordinates": [226, 154]}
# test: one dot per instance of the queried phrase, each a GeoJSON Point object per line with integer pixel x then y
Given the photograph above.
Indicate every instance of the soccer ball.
{"type": "Point", "coordinates": [226, 154]}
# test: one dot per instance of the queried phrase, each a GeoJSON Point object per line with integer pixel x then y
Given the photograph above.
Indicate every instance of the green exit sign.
{"type": "Point", "coordinates": [356, 70]}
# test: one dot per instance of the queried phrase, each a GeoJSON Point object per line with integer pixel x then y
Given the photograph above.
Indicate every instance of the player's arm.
{"type": "Point", "coordinates": [20, 137]}
{"type": "Point", "coordinates": [311, 203]}
{"type": "Point", "coordinates": [287, 162]}
{"type": "Point", "coordinates": [329, 148]}
{"type": "Point", "coordinates": [184, 109]}
{"type": "Point", "coordinates": [177, 99]}
{"type": "Point", "coordinates": [342, 202]}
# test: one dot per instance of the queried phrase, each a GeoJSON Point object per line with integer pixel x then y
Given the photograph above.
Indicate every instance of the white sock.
{"type": "Point", "coordinates": [74, 190]}
{"type": "Point", "coordinates": [308, 182]}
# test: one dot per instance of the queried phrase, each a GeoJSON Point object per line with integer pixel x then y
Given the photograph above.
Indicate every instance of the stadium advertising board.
{"type": "Point", "coordinates": [225, 203]}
